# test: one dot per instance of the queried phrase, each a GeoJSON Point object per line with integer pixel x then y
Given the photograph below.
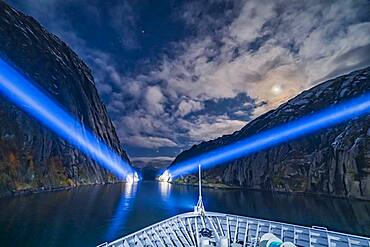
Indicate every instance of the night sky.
{"type": "Point", "coordinates": [175, 73]}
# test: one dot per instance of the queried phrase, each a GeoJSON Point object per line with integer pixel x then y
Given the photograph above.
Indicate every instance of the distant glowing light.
{"type": "Point", "coordinates": [132, 178]}
{"type": "Point", "coordinates": [276, 89]}
{"type": "Point", "coordinates": [165, 177]}
{"type": "Point", "coordinates": [28, 97]}
{"type": "Point", "coordinates": [266, 139]}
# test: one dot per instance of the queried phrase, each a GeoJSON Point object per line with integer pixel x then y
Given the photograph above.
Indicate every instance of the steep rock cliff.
{"type": "Point", "coordinates": [334, 161]}
{"type": "Point", "coordinates": [31, 156]}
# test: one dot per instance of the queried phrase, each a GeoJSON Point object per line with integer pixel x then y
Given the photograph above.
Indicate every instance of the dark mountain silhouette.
{"type": "Point", "coordinates": [31, 156]}
{"type": "Point", "coordinates": [334, 161]}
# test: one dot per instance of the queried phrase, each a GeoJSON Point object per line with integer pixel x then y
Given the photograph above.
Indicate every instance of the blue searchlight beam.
{"type": "Point", "coordinates": [19, 90]}
{"type": "Point", "coordinates": [265, 139]}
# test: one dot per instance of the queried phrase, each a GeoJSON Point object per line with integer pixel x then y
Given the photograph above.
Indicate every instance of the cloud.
{"type": "Point", "coordinates": [294, 45]}
{"type": "Point", "coordinates": [154, 100]}
{"type": "Point", "coordinates": [187, 106]}
{"type": "Point", "coordinates": [149, 141]}
{"type": "Point", "coordinates": [267, 50]}
{"type": "Point", "coordinates": [240, 59]}
{"type": "Point", "coordinates": [208, 127]}
{"type": "Point", "coordinates": [159, 162]}
{"type": "Point", "coordinates": [211, 131]}
{"type": "Point", "coordinates": [240, 113]}
{"type": "Point", "coordinates": [255, 14]}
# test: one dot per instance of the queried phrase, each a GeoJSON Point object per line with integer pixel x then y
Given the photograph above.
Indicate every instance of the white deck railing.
{"type": "Point", "coordinates": [184, 230]}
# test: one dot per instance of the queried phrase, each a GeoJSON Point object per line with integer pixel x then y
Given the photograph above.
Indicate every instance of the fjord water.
{"type": "Point", "coordinates": [90, 215]}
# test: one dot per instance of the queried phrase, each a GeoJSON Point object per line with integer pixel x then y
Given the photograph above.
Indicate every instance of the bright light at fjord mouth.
{"type": "Point", "coordinates": [165, 177]}
{"type": "Point", "coordinates": [20, 91]}
{"type": "Point", "coordinates": [132, 178]}
{"type": "Point", "coordinates": [268, 138]}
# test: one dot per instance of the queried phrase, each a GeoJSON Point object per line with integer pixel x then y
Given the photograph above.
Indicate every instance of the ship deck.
{"type": "Point", "coordinates": [186, 230]}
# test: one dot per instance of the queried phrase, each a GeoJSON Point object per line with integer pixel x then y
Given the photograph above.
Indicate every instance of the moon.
{"type": "Point", "coordinates": [276, 89]}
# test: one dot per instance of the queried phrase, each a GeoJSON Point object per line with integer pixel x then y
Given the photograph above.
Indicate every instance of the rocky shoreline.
{"type": "Point", "coordinates": [233, 187]}
{"type": "Point", "coordinates": [45, 190]}
{"type": "Point", "coordinates": [205, 184]}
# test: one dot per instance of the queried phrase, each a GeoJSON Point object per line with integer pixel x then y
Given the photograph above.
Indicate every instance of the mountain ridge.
{"type": "Point", "coordinates": [33, 158]}
{"type": "Point", "coordinates": [311, 164]}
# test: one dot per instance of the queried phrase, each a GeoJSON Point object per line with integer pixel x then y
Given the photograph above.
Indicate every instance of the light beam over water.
{"type": "Point", "coordinates": [20, 91]}
{"type": "Point", "coordinates": [266, 139]}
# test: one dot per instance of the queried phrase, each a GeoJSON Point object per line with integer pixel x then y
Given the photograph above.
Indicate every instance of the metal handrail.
{"type": "Point", "coordinates": [322, 231]}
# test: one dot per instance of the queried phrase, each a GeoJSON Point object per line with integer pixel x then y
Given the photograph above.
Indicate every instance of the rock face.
{"type": "Point", "coordinates": [31, 156]}
{"type": "Point", "coordinates": [334, 161]}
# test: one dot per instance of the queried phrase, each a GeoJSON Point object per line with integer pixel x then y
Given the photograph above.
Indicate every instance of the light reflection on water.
{"type": "Point", "coordinates": [91, 215]}
{"type": "Point", "coordinates": [164, 189]}
{"type": "Point", "coordinates": [124, 207]}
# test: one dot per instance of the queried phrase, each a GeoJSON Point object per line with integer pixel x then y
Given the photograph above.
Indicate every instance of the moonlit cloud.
{"type": "Point", "coordinates": [209, 130]}
{"type": "Point", "coordinates": [156, 161]}
{"type": "Point", "coordinates": [149, 141]}
{"type": "Point", "coordinates": [154, 100]}
{"type": "Point", "coordinates": [187, 106]}
{"type": "Point", "coordinates": [240, 59]}
{"type": "Point", "coordinates": [270, 50]}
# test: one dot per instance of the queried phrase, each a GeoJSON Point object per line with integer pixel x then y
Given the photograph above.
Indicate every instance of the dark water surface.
{"type": "Point", "coordinates": [91, 215]}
